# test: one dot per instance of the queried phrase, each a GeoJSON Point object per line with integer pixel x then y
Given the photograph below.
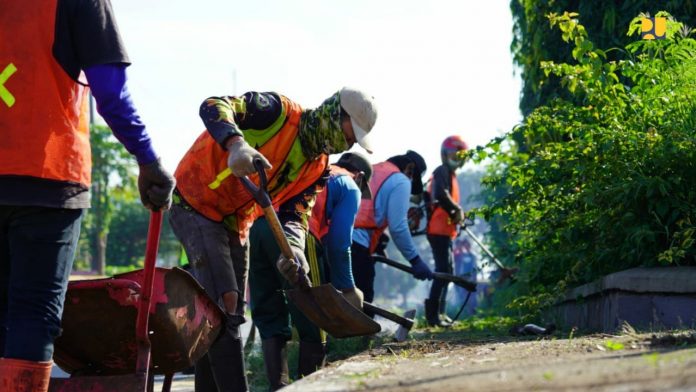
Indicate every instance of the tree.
{"type": "Point", "coordinates": [606, 23]}
{"type": "Point", "coordinates": [606, 179]}
{"type": "Point", "coordinates": [112, 171]}
{"type": "Point", "coordinates": [128, 235]}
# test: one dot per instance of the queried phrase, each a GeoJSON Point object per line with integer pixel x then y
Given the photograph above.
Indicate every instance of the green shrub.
{"type": "Point", "coordinates": [603, 185]}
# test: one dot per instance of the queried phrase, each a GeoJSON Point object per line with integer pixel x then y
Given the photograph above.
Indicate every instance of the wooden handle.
{"type": "Point", "coordinates": [278, 232]}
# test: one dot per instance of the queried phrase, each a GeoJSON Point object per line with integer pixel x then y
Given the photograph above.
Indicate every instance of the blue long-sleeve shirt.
{"type": "Point", "coordinates": [342, 203]}
{"type": "Point", "coordinates": [114, 103]}
{"type": "Point", "coordinates": [392, 203]}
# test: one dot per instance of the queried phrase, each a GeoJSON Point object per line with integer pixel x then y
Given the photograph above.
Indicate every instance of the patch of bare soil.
{"type": "Point", "coordinates": [630, 362]}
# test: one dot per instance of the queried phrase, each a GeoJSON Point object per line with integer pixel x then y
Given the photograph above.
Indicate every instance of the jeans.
{"type": "Point", "coordinates": [37, 250]}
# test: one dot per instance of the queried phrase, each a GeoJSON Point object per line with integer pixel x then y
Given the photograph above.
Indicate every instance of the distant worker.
{"type": "Point", "coordinates": [465, 267]}
{"type": "Point", "coordinates": [328, 245]}
{"type": "Point", "coordinates": [392, 184]}
{"type": "Point", "coordinates": [213, 212]}
{"type": "Point", "coordinates": [442, 229]}
{"type": "Point", "coordinates": [45, 164]}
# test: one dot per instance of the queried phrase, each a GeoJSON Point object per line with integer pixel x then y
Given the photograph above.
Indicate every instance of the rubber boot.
{"type": "Point", "coordinates": [312, 357]}
{"type": "Point", "coordinates": [432, 317]}
{"type": "Point", "coordinates": [226, 358]}
{"type": "Point", "coordinates": [24, 376]}
{"type": "Point", "coordinates": [275, 358]}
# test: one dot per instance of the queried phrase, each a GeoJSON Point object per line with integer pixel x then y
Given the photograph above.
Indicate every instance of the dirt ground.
{"type": "Point", "coordinates": [629, 362]}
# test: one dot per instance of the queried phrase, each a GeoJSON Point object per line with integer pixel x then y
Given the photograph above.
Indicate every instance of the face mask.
{"type": "Point", "coordinates": [454, 163]}
{"type": "Point", "coordinates": [320, 129]}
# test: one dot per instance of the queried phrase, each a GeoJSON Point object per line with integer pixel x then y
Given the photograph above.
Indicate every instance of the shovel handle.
{"type": "Point", "coordinates": [459, 281]}
{"type": "Point", "coordinates": [261, 196]}
{"type": "Point", "coordinates": [258, 192]}
{"type": "Point", "coordinates": [403, 321]}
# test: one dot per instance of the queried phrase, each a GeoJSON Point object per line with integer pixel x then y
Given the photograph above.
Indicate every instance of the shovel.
{"type": "Point", "coordinates": [459, 281]}
{"type": "Point", "coordinates": [323, 305]}
{"type": "Point", "coordinates": [405, 323]}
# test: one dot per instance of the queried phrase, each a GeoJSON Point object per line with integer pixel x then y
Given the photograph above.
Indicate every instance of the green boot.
{"type": "Point", "coordinates": [275, 358]}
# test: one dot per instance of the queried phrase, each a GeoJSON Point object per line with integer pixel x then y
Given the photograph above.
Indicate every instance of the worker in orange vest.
{"type": "Point", "coordinates": [392, 184]}
{"type": "Point", "coordinates": [212, 211]}
{"type": "Point", "coordinates": [52, 53]}
{"type": "Point", "coordinates": [328, 254]}
{"type": "Point", "coordinates": [445, 214]}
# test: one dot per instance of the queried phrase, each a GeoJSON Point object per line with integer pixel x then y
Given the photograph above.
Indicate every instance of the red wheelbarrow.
{"type": "Point", "coordinates": [121, 331]}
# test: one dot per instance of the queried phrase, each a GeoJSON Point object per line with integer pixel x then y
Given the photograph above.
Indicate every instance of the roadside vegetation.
{"type": "Point", "coordinates": [602, 180]}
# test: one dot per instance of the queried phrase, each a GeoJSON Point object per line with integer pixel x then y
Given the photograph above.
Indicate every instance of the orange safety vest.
{"type": "Point", "coordinates": [43, 112]}
{"type": "Point", "coordinates": [318, 222]}
{"type": "Point", "coordinates": [440, 222]}
{"type": "Point", "coordinates": [206, 183]}
{"type": "Point", "coordinates": [366, 214]}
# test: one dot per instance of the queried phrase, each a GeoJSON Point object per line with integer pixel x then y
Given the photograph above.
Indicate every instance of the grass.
{"type": "Point", "coordinates": [338, 349]}
{"type": "Point", "coordinates": [472, 328]}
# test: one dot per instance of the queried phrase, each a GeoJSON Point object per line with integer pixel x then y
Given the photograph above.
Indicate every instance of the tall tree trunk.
{"type": "Point", "coordinates": [97, 247]}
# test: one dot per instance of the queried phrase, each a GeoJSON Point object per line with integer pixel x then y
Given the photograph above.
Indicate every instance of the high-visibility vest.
{"type": "Point", "coordinates": [440, 222]}
{"type": "Point", "coordinates": [43, 112]}
{"type": "Point", "coordinates": [206, 183]}
{"type": "Point", "coordinates": [318, 221]}
{"type": "Point", "coordinates": [366, 214]}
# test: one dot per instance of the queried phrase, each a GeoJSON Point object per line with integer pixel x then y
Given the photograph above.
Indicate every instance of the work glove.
{"type": "Point", "coordinates": [382, 242]}
{"type": "Point", "coordinates": [155, 185]}
{"type": "Point", "coordinates": [242, 156]}
{"type": "Point", "coordinates": [457, 215]}
{"type": "Point", "coordinates": [290, 269]}
{"type": "Point", "coordinates": [421, 270]}
{"type": "Point", "coordinates": [354, 296]}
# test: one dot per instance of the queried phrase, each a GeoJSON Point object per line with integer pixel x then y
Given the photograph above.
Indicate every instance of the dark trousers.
{"type": "Point", "coordinates": [442, 253]}
{"type": "Point", "coordinates": [270, 310]}
{"type": "Point", "coordinates": [37, 250]}
{"type": "Point", "coordinates": [363, 270]}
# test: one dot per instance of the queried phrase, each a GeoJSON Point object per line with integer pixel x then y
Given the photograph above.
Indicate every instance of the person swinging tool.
{"type": "Point", "coordinates": [328, 245]}
{"type": "Point", "coordinates": [213, 212]}
{"type": "Point", "coordinates": [445, 214]}
{"type": "Point", "coordinates": [392, 184]}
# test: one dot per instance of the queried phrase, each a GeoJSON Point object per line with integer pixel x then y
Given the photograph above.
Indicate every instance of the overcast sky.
{"type": "Point", "coordinates": [435, 67]}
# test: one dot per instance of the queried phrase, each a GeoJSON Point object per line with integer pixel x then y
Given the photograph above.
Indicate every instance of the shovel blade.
{"type": "Point", "coordinates": [328, 310]}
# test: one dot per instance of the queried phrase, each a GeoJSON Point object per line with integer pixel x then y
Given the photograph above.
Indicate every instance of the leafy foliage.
{"type": "Point", "coordinates": [605, 180]}
{"type": "Point", "coordinates": [534, 41]}
{"type": "Point", "coordinates": [112, 174]}
{"type": "Point", "coordinates": [114, 230]}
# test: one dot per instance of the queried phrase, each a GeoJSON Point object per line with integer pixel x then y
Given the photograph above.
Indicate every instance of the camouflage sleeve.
{"type": "Point", "coordinates": [294, 214]}
{"type": "Point", "coordinates": [227, 116]}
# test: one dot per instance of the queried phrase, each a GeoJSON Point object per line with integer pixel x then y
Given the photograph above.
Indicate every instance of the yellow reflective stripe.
{"type": "Point", "coordinates": [313, 262]}
{"type": "Point", "coordinates": [5, 94]}
{"type": "Point", "coordinates": [220, 178]}
{"type": "Point", "coordinates": [258, 137]}
{"type": "Point", "coordinates": [253, 137]}
{"type": "Point", "coordinates": [314, 266]}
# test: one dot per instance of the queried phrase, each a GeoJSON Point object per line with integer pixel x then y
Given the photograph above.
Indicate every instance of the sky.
{"type": "Point", "coordinates": [436, 68]}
